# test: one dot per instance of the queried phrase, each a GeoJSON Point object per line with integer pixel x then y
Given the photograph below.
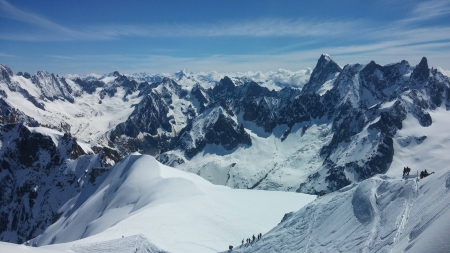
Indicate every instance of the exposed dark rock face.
{"type": "Point", "coordinates": [89, 86]}
{"type": "Point", "coordinates": [216, 127]}
{"type": "Point", "coordinates": [107, 155]}
{"type": "Point", "coordinates": [325, 70]}
{"type": "Point", "coordinates": [11, 115]}
{"type": "Point", "coordinates": [421, 72]}
{"type": "Point", "coordinates": [151, 114]}
{"type": "Point", "coordinates": [202, 97]}
{"type": "Point", "coordinates": [53, 87]}
{"type": "Point", "coordinates": [6, 75]}
{"type": "Point", "coordinates": [110, 89]}
{"type": "Point", "coordinates": [26, 74]}
{"type": "Point", "coordinates": [35, 180]}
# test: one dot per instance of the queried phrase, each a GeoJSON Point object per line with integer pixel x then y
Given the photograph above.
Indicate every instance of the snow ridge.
{"type": "Point", "coordinates": [136, 244]}
{"type": "Point", "coordinates": [381, 214]}
{"type": "Point", "coordinates": [175, 210]}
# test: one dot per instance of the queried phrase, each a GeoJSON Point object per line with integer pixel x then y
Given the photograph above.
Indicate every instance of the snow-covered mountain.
{"type": "Point", "coordinates": [342, 126]}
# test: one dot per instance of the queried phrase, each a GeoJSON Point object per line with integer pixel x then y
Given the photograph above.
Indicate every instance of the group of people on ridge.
{"type": "Point", "coordinates": [424, 174]}
{"type": "Point", "coordinates": [406, 171]}
{"type": "Point", "coordinates": [248, 240]}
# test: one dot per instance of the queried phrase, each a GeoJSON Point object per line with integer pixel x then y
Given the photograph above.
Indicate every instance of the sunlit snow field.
{"type": "Point", "coordinates": [175, 210]}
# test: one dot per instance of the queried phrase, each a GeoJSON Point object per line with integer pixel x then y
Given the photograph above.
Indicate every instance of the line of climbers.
{"type": "Point", "coordinates": [424, 174]}
{"type": "Point", "coordinates": [248, 240]}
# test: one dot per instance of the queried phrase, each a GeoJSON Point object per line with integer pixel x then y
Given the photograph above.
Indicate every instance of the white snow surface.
{"type": "Point", "coordinates": [15, 248]}
{"type": "Point", "coordinates": [176, 211]}
{"type": "Point", "coordinates": [380, 214]}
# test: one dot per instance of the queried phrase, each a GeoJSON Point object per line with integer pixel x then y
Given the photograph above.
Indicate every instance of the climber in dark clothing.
{"type": "Point", "coordinates": [424, 174]}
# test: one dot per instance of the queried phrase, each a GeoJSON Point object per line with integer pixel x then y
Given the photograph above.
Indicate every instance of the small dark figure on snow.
{"type": "Point", "coordinates": [242, 241]}
{"type": "Point", "coordinates": [406, 171]}
{"type": "Point", "coordinates": [254, 238]}
{"type": "Point", "coordinates": [230, 247]}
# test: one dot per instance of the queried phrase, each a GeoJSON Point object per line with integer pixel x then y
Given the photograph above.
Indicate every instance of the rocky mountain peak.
{"type": "Point", "coordinates": [225, 86]}
{"type": "Point", "coordinates": [371, 67]}
{"type": "Point", "coordinates": [6, 69]}
{"type": "Point", "coordinates": [43, 73]}
{"type": "Point", "coordinates": [24, 74]}
{"type": "Point", "coordinates": [325, 70]}
{"type": "Point", "coordinates": [54, 87]}
{"type": "Point", "coordinates": [420, 73]}
{"type": "Point", "coordinates": [181, 74]}
{"type": "Point", "coordinates": [6, 73]}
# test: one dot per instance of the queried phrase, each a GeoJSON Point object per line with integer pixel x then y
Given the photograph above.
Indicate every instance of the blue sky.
{"type": "Point", "coordinates": [82, 37]}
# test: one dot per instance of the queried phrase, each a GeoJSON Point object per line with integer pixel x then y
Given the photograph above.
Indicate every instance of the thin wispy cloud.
{"type": "Point", "coordinates": [430, 10]}
{"type": "Point", "coordinates": [62, 57]}
{"type": "Point", "coordinates": [252, 28]}
{"type": "Point", "coordinates": [7, 55]}
{"type": "Point", "coordinates": [7, 10]}
{"type": "Point", "coordinates": [267, 27]}
{"type": "Point", "coordinates": [346, 39]}
{"type": "Point", "coordinates": [382, 53]}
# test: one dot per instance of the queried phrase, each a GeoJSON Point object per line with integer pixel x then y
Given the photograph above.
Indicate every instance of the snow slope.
{"type": "Point", "coordinates": [175, 210]}
{"type": "Point", "coordinates": [130, 244]}
{"type": "Point", "coordinates": [380, 214]}
{"type": "Point", "coordinates": [420, 147]}
{"type": "Point", "coordinates": [15, 248]}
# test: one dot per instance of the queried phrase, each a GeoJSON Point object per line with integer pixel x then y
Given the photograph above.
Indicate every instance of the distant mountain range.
{"type": "Point", "coordinates": [309, 132]}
